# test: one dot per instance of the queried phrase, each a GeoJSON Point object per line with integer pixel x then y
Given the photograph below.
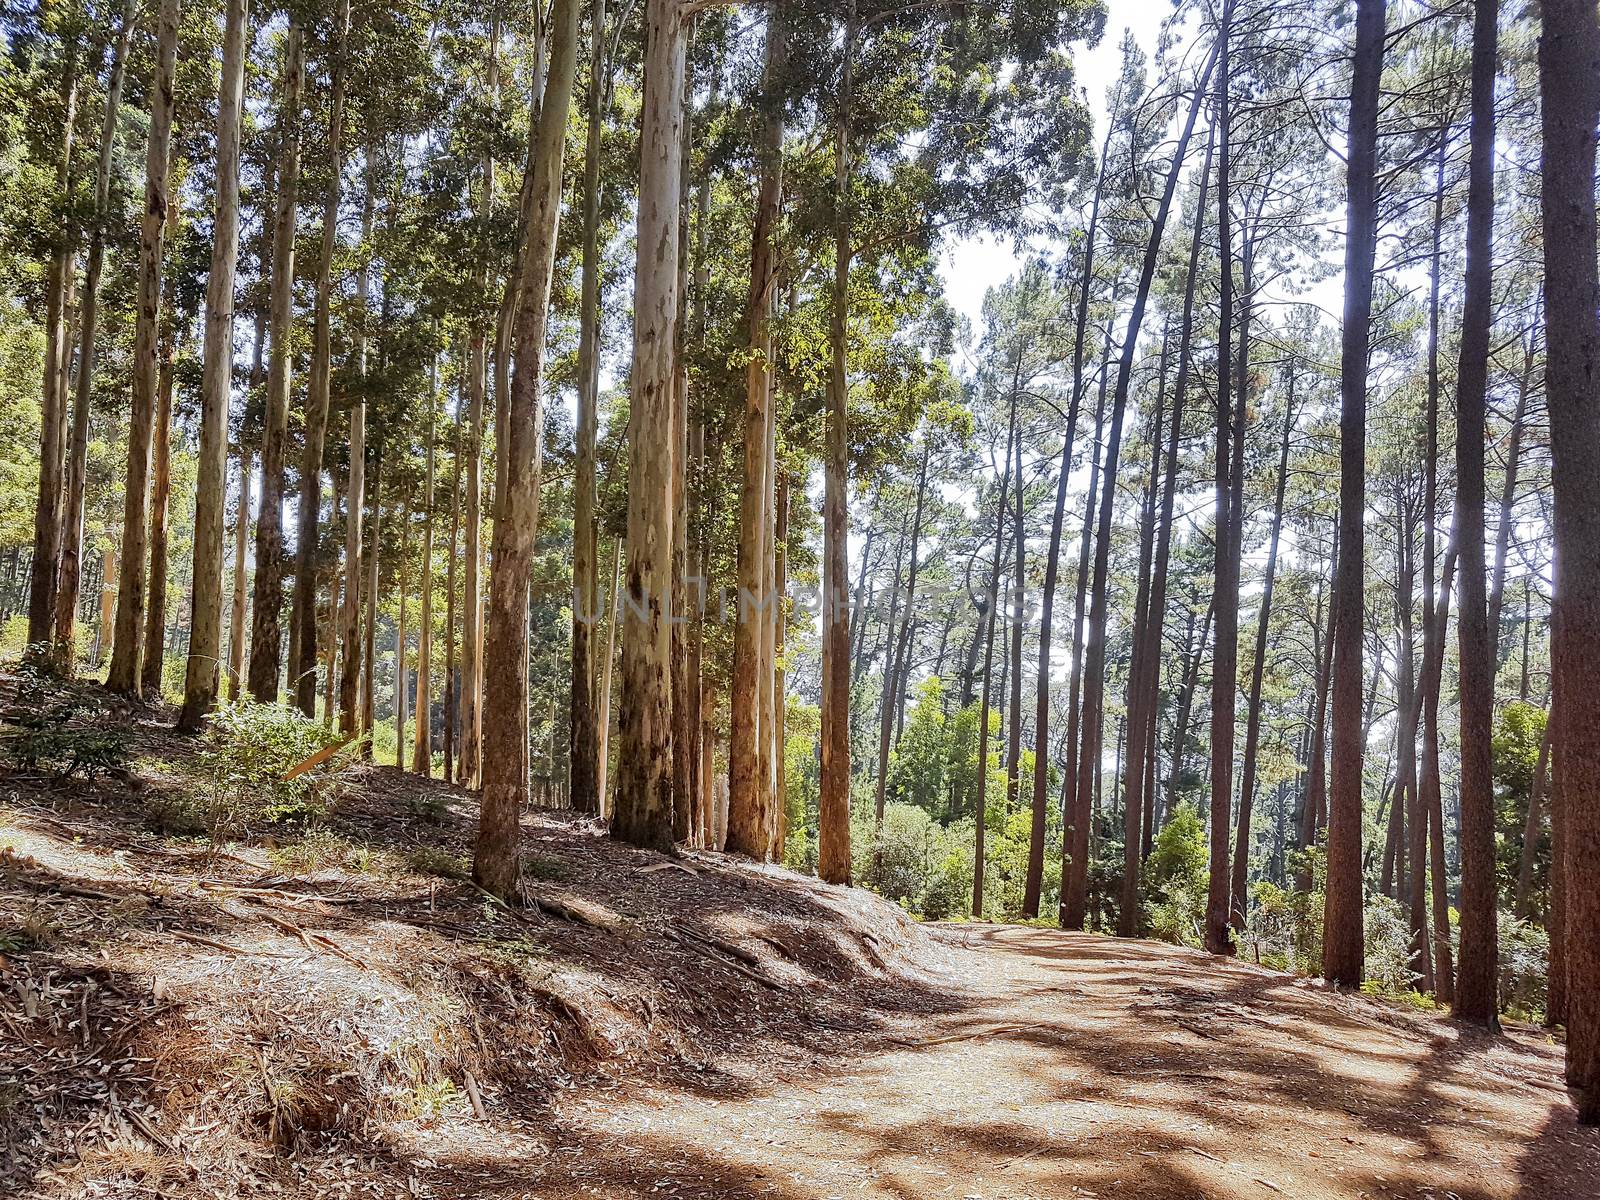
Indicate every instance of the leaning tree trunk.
{"type": "Point", "coordinates": [1145, 679]}
{"type": "Point", "coordinates": [127, 645]}
{"type": "Point", "coordinates": [1569, 73]}
{"type": "Point", "coordinates": [1052, 566]}
{"type": "Point", "coordinates": [69, 578]}
{"type": "Point", "coordinates": [1094, 654]}
{"type": "Point", "coordinates": [505, 722]}
{"type": "Point", "coordinates": [267, 594]}
{"type": "Point", "coordinates": [980, 788]}
{"type": "Point", "coordinates": [309, 509]}
{"type": "Point", "coordinates": [201, 676]}
{"type": "Point", "coordinates": [1477, 972]}
{"type": "Point", "coordinates": [1343, 909]}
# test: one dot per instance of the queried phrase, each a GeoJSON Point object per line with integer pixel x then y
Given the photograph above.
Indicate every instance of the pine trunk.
{"type": "Point", "coordinates": [1569, 73]}
{"type": "Point", "coordinates": [1477, 972]}
{"type": "Point", "coordinates": [1343, 910]}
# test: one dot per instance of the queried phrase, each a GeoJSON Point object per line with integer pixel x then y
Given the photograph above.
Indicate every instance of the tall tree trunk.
{"type": "Point", "coordinates": [980, 789]}
{"type": "Point", "coordinates": [644, 804]}
{"type": "Point", "coordinates": [505, 729]}
{"type": "Point", "coordinates": [1052, 567]}
{"type": "Point", "coordinates": [155, 627]}
{"type": "Point", "coordinates": [216, 397]}
{"type": "Point", "coordinates": [1569, 74]}
{"type": "Point", "coordinates": [239, 605]}
{"type": "Point", "coordinates": [834, 801]}
{"type": "Point", "coordinates": [1144, 681]}
{"type": "Point", "coordinates": [450, 690]}
{"type": "Point", "coordinates": [53, 407]}
{"type": "Point", "coordinates": [745, 816]}
{"type": "Point", "coordinates": [69, 580]}
{"type": "Point", "coordinates": [1136, 799]}
{"type": "Point", "coordinates": [1477, 973]}
{"type": "Point", "coordinates": [356, 500]}
{"type": "Point", "coordinates": [1252, 734]}
{"type": "Point", "coordinates": [1225, 655]}
{"type": "Point", "coordinates": [127, 646]}
{"type": "Point", "coordinates": [1094, 653]}
{"type": "Point", "coordinates": [422, 738]}
{"type": "Point", "coordinates": [585, 736]}
{"type": "Point", "coordinates": [402, 584]}
{"type": "Point", "coordinates": [1343, 911]}
{"type": "Point", "coordinates": [477, 390]}
{"type": "Point", "coordinates": [267, 598]}
{"type": "Point", "coordinates": [309, 507]}
{"type": "Point", "coordinates": [893, 686]}
{"type": "Point", "coordinates": [1073, 904]}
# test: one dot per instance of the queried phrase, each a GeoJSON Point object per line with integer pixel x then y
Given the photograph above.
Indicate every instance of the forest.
{"type": "Point", "coordinates": [1089, 476]}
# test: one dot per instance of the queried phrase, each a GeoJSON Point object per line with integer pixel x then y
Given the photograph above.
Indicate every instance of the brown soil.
{"type": "Point", "coordinates": [284, 1019]}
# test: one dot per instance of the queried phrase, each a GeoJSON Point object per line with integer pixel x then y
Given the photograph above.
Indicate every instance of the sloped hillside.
{"type": "Point", "coordinates": [329, 1007]}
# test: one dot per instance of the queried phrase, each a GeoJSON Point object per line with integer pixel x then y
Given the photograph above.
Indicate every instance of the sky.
{"type": "Point", "coordinates": [974, 265]}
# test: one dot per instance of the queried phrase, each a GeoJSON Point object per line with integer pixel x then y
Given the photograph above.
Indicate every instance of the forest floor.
{"type": "Point", "coordinates": [337, 1013]}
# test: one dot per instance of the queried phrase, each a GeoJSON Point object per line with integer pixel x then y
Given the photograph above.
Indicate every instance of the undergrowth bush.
{"type": "Point", "coordinates": [1175, 879]}
{"type": "Point", "coordinates": [59, 731]}
{"type": "Point", "coordinates": [244, 767]}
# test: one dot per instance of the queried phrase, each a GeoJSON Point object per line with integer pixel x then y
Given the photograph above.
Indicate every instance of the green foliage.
{"type": "Point", "coordinates": [1175, 879]}
{"type": "Point", "coordinates": [60, 731]}
{"type": "Point", "coordinates": [1524, 968]}
{"type": "Point", "coordinates": [244, 761]}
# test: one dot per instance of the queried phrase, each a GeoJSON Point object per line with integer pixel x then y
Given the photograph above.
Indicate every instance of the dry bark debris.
{"type": "Point", "coordinates": [361, 1018]}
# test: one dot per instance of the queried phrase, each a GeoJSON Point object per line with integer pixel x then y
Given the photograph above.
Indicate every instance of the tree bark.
{"type": "Point", "coordinates": [127, 645]}
{"type": "Point", "coordinates": [834, 800]}
{"type": "Point", "coordinates": [309, 507]}
{"type": "Point", "coordinates": [1252, 734]}
{"type": "Point", "coordinates": [745, 816]}
{"type": "Point", "coordinates": [267, 598]}
{"type": "Point", "coordinates": [1569, 74]}
{"type": "Point", "coordinates": [505, 728]}
{"type": "Point", "coordinates": [1343, 910]}
{"type": "Point", "coordinates": [155, 628]}
{"type": "Point", "coordinates": [216, 397]}
{"type": "Point", "coordinates": [69, 581]}
{"type": "Point", "coordinates": [1477, 972]}
{"type": "Point", "coordinates": [53, 399]}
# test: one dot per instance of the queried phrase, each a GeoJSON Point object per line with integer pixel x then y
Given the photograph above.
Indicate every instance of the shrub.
{"type": "Point", "coordinates": [1388, 944]}
{"type": "Point", "coordinates": [247, 763]}
{"type": "Point", "coordinates": [1524, 968]}
{"type": "Point", "coordinates": [60, 732]}
{"type": "Point", "coordinates": [1175, 879]}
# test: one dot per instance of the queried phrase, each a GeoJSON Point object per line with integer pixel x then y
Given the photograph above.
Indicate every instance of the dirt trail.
{"type": "Point", "coordinates": [1085, 1067]}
